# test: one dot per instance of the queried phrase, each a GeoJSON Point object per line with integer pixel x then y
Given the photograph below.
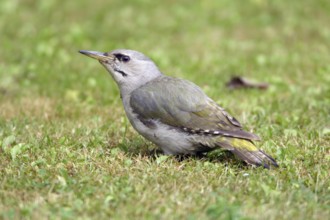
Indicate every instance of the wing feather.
{"type": "Point", "coordinates": [182, 104]}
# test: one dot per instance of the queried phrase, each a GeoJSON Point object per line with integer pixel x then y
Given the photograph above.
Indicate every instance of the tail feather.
{"type": "Point", "coordinates": [248, 152]}
{"type": "Point", "coordinates": [258, 158]}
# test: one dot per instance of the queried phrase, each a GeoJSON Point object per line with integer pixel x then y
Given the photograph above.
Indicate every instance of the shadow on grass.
{"type": "Point", "coordinates": [141, 148]}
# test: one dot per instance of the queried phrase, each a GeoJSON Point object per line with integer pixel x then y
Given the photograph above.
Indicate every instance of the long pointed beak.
{"type": "Point", "coordinates": [96, 55]}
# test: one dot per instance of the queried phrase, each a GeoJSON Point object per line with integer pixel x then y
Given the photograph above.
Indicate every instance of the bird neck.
{"type": "Point", "coordinates": [127, 89]}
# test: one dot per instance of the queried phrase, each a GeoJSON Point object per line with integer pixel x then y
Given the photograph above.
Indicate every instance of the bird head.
{"type": "Point", "coordinates": [130, 69]}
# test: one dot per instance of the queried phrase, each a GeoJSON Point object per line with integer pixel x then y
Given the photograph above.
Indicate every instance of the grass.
{"type": "Point", "coordinates": [67, 150]}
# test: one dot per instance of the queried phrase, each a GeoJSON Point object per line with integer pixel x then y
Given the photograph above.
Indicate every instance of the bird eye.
{"type": "Point", "coordinates": [122, 57]}
{"type": "Point", "coordinates": [125, 59]}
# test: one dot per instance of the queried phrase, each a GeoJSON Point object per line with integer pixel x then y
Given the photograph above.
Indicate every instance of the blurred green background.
{"type": "Point", "coordinates": [67, 150]}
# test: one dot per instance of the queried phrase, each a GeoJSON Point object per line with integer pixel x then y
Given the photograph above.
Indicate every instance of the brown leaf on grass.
{"type": "Point", "coordinates": [238, 82]}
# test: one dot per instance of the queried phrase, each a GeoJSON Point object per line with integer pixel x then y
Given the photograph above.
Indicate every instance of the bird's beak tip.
{"type": "Point", "coordinates": [93, 54]}
{"type": "Point", "coordinates": [82, 51]}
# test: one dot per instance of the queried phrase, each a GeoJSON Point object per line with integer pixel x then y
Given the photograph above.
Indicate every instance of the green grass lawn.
{"type": "Point", "coordinates": [67, 150]}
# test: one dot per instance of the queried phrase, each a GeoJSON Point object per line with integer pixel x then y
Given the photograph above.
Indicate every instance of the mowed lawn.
{"type": "Point", "coordinates": [67, 150]}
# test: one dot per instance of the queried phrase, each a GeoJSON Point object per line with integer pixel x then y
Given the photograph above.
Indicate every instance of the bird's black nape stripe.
{"type": "Point", "coordinates": [121, 72]}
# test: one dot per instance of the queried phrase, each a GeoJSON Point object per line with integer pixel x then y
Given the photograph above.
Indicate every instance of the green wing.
{"type": "Point", "coordinates": [182, 104]}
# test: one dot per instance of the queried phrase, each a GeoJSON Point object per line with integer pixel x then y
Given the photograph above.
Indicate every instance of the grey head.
{"type": "Point", "coordinates": [130, 69]}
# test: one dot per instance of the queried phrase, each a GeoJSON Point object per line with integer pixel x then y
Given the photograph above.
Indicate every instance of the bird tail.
{"type": "Point", "coordinates": [248, 152]}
